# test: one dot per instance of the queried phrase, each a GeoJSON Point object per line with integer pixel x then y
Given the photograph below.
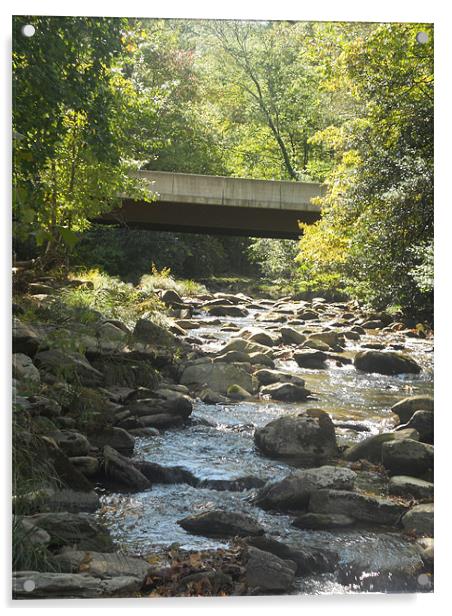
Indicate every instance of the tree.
{"type": "Point", "coordinates": [71, 111]}
{"type": "Point", "coordinates": [379, 205]}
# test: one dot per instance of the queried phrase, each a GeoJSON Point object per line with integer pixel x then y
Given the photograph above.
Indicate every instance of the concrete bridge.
{"type": "Point", "coordinates": [220, 205]}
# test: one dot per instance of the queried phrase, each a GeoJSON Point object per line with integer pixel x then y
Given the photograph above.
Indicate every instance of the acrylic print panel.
{"type": "Point", "coordinates": [223, 274]}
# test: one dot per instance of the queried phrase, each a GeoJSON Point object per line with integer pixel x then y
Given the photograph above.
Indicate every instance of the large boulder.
{"type": "Point", "coordinates": [406, 408]}
{"type": "Point", "coordinates": [289, 335]}
{"type": "Point", "coordinates": [362, 507]}
{"type": "Point", "coordinates": [330, 338]}
{"type": "Point", "coordinates": [267, 573]}
{"type": "Point", "coordinates": [286, 392]}
{"type": "Point", "coordinates": [307, 560]}
{"type": "Point", "coordinates": [45, 585]}
{"type": "Point", "coordinates": [152, 334]}
{"type": "Point", "coordinates": [25, 338]}
{"type": "Point", "coordinates": [116, 437]}
{"type": "Point", "coordinates": [293, 492]}
{"type": "Point", "coordinates": [80, 529]}
{"type": "Point", "coordinates": [218, 376]}
{"type": "Point", "coordinates": [218, 523]}
{"type": "Point", "coordinates": [102, 564]}
{"type": "Point", "coordinates": [410, 487]}
{"type": "Point", "coordinates": [120, 471]}
{"type": "Point", "coordinates": [407, 457]}
{"type": "Point", "coordinates": [385, 362]}
{"type": "Point", "coordinates": [126, 370]}
{"type": "Point", "coordinates": [315, 360]}
{"type": "Point", "coordinates": [307, 437]}
{"type": "Point", "coordinates": [176, 404]}
{"type": "Point", "coordinates": [370, 448]}
{"type": "Point", "coordinates": [69, 366]}
{"type": "Point", "coordinates": [419, 520]}
{"type": "Point", "coordinates": [423, 423]}
{"type": "Point", "coordinates": [72, 443]}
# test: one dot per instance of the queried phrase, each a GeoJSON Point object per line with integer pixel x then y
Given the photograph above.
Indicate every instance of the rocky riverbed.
{"type": "Point", "coordinates": [257, 446]}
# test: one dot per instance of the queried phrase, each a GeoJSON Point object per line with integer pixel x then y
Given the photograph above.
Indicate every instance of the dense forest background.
{"type": "Point", "coordinates": [348, 104]}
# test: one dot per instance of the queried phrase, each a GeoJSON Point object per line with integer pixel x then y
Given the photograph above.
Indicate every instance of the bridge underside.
{"type": "Point", "coordinates": [212, 219]}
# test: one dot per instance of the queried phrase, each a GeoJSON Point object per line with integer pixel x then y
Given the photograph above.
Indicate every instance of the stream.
{"type": "Point", "coordinates": [217, 443]}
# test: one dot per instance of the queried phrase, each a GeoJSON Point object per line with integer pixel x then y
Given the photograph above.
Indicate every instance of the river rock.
{"type": "Point", "coordinates": [406, 408]}
{"type": "Point", "coordinates": [117, 438]}
{"type": "Point", "coordinates": [72, 501]}
{"type": "Point", "coordinates": [308, 437]}
{"type": "Point", "coordinates": [121, 471]}
{"type": "Point", "coordinates": [232, 485]}
{"type": "Point", "coordinates": [235, 392]}
{"type": "Point", "coordinates": [155, 473]}
{"type": "Point", "coordinates": [423, 423]}
{"type": "Point", "coordinates": [233, 357]}
{"type": "Point", "coordinates": [268, 377]}
{"type": "Point", "coordinates": [385, 362]}
{"type": "Point", "coordinates": [289, 335]}
{"type": "Point", "coordinates": [407, 457]}
{"type": "Point", "coordinates": [72, 443]}
{"type": "Point", "coordinates": [323, 521]}
{"type": "Point", "coordinates": [39, 585]}
{"type": "Point", "coordinates": [24, 369]}
{"type": "Point", "coordinates": [362, 507]}
{"type": "Point", "coordinates": [307, 560]}
{"type": "Point", "coordinates": [160, 420]}
{"type": "Point", "coordinates": [259, 336]}
{"type": "Point", "coordinates": [259, 359]}
{"type": "Point", "coordinates": [174, 404]}
{"type": "Point", "coordinates": [218, 376]}
{"type": "Point", "coordinates": [246, 346]}
{"type": "Point", "coordinates": [102, 564]}
{"type": "Point", "coordinates": [171, 298]}
{"type": "Point", "coordinates": [151, 333]}
{"type": "Point", "coordinates": [419, 519]}
{"type": "Point", "coordinates": [208, 396]}
{"type": "Point", "coordinates": [370, 448]}
{"type": "Point", "coordinates": [314, 360]}
{"type": "Point", "coordinates": [426, 546]}
{"type": "Point", "coordinates": [88, 465]}
{"type": "Point", "coordinates": [127, 370]}
{"type": "Point", "coordinates": [40, 405]}
{"type": "Point", "coordinates": [218, 523]}
{"type": "Point", "coordinates": [81, 529]}
{"type": "Point", "coordinates": [226, 311]}
{"type": "Point", "coordinates": [267, 573]}
{"type": "Point", "coordinates": [293, 491]}
{"type": "Point", "coordinates": [286, 392]}
{"type": "Point", "coordinates": [331, 339]}
{"type": "Point", "coordinates": [26, 340]}
{"type": "Point", "coordinates": [410, 487]}
{"type": "Point", "coordinates": [69, 366]}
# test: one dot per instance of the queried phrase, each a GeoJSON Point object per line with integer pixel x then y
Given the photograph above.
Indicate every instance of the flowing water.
{"type": "Point", "coordinates": [218, 444]}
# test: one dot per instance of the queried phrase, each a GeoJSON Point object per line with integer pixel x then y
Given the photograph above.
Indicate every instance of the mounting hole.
{"type": "Point", "coordinates": [28, 30]}
{"type": "Point", "coordinates": [29, 585]}
{"type": "Point", "coordinates": [424, 580]}
{"type": "Point", "coordinates": [422, 38]}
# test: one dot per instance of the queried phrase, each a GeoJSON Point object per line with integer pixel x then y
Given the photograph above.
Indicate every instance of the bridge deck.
{"type": "Point", "coordinates": [222, 205]}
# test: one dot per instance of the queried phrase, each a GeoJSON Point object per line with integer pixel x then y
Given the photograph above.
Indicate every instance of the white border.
{"type": "Point", "coordinates": [320, 10]}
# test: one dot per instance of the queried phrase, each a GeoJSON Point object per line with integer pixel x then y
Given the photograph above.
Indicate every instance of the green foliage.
{"type": "Point", "coordinates": [379, 206]}
{"type": "Point", "coordinates": [275, 258]}
{"type": "Point", "coordinates": [73, 113]}
{"type": "Point", "coordinates": [130, 253]}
